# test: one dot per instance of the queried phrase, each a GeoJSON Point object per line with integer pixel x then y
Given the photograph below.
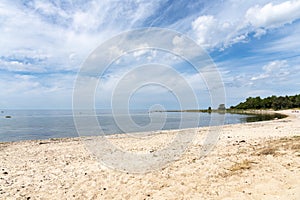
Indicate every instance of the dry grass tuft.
{"type": "Point", "coordinates": [276, 147]}
{"type": "Point", "coordinates": [295, 147]}
{"type": "Point", "coordinates": [245, 164]}
{"type": "Point", "coordinates": [268, 151]}
{"type": "Point", "coordinates": [237, 168]}
{"type": "Point", "coordinates": [296, 137]}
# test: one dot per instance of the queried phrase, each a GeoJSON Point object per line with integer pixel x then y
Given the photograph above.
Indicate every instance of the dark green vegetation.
{"type": "Point", "coordinates": [272, 102]}
{"type": "Point", "coordinates": [250, 115]}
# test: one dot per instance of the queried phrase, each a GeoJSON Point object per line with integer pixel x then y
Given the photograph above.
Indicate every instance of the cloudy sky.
{"type": "Point", "coordinates": [254, 44]}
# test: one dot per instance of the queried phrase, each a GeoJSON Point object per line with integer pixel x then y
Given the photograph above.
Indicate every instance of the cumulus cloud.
{"type": "Point", "coordinates": [275, 69]}
{"type": "Point", "coordinates": [212, 32]}
{"type": "Point", "coordinates": [260, 32]}
{"type": "Point", "coordinates": [205, 27]}
{"type": "Point", "coordinates": [272, 16]}
{"type": "Point", "coordinates": [221, 31]}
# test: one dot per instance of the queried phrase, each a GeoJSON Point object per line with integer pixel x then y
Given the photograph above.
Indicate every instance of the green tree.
{"type": "Point", "coordinates": [273, 102]}
{"type": "Point", "coordinates": [209, 109]}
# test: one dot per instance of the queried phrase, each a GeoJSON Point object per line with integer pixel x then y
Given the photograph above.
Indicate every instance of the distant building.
{"type": "Point", "coordinates": [221, 107]}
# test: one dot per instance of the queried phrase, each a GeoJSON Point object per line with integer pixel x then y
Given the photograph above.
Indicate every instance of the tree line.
{"type": "Point", "coordinates": [272, 102]}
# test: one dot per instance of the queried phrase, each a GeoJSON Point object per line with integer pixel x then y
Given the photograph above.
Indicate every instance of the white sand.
{"type": "Point", "coordinates": [258, 160]}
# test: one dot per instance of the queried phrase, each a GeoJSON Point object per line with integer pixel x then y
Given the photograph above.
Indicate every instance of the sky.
{"type": "Point", "coordinates": [44, 44]}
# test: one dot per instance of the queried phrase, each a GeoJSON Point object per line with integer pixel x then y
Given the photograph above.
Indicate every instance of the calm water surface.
{"type": "Point", "coordinates": [45, 124]}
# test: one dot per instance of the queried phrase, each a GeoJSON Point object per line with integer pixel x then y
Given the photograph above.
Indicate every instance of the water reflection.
{"type": "Point", "coordinates": [263, 117]}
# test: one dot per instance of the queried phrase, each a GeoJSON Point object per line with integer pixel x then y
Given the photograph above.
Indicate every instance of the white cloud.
{"type": "Point", "coordinates": [151, 83]}
{"type": "Point", "coordinates": [288, 43]}
{"type": "Point", "coordinates": [259, 32]}
{"type": "Point", "coordinates": [272, 16]}
{"type": "Point", "coordinates": [24, 77]}
{"type": "Point", "coordinates": [260, 76]}
{"type": "Point", "coordinates": [34, 84]}
{"type": "Point", "coordinates": [275, 66]}
{"type": "Point", "coordinates": [273, 70]}
{"type": "Point", "coordinates": [224, 29]}
{"type": "Point", "coordinates": [17, 66]}
{"type": "Point", "coordinates": [205, 26]}
{"type": "Point", "coordinates": [49, 8]}
{"type": "Point", "coordinates": [59, 31]}
{"type": "Point", "coordinates": [141, 50]}
{"type": "Point", "coordinates": [212, 32]}
{"type": "Point", "coordinates": [56, 38]}
{"type": "Point", "coordinates": [33, 91]}
{"type": "Point", "coordinates": [48, 38]}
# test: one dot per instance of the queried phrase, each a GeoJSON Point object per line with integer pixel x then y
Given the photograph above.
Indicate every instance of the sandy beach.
{"type": "Point", "coordinates": [259, 160]}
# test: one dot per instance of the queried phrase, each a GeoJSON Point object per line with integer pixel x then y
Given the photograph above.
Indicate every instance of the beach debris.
{"type": "Point", "coordinates": [237, 142]}
{"type": "Point", "coordinates": [42, 143]}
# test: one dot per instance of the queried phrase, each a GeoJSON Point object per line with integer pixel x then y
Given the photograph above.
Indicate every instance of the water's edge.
{"type": "Point", "coordinates": [52, 125]}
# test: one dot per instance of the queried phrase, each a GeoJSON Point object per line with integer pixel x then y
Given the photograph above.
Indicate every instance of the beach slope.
{"type": "Point", "coordinates": [259, 160]}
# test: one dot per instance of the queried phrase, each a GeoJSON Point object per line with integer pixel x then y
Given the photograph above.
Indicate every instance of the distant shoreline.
{"type": "Point", "coordinates": [232, 111]}
{"type": "Point", "coordinates": [277, 115]}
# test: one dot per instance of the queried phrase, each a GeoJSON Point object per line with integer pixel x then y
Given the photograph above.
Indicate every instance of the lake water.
{"type": "Point", "coordinates": [45, 124]}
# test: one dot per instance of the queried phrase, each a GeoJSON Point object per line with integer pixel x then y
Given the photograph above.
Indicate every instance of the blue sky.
{"type": "Point", "coordinates": [255, 45]}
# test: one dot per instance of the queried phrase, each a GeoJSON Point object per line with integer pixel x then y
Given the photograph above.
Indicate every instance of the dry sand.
{"type": "Point", "coordinates": [258, 160]}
